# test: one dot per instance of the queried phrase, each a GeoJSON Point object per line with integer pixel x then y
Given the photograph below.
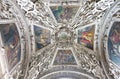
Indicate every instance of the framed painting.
{"type": "Point", "coordinates": [86, 36]}
{"type": "Point", "coordinates": [11, 41]}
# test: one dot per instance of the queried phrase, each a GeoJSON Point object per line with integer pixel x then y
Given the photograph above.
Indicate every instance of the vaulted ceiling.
{"type": "Point", "coordinates": [59, 39]}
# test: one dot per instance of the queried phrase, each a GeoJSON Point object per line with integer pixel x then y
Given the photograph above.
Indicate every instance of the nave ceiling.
{"type": "Point", "coordinates": [59, 39]}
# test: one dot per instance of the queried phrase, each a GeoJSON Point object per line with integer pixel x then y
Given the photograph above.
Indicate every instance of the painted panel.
{"type": "Point", "coordinates": [64, 57]}
{"type": "Point", "coordinates": [114, 43]}
{"type": "Point", "coordinates": [11, 42]}
{"type": "Point", "coordinates": [64, 12]}
{"type": "Point", "coordinates": [42, 37]}
{"type": "Point", "coordinates": [86, 36]}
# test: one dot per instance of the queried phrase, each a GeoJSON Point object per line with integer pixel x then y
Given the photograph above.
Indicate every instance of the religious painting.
{"type": "Point", "coordinates": [86, 36]}
{"type": "Point", "coordinates": [42, 37]}
{"type": "Point", "coordinates": [64, 13]}
{"type": "Point", "coordinates": [114, 43]}
{"type": "Point", "coordinates": [64, 57]}
{"type": "Point", "coordinates": [11, 40]}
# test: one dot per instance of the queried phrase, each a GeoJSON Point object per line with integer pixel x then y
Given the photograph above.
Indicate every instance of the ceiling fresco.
{"type": "Point", "coordinates": [64, 13]}
{"type": "Point", "coordinates": [64, 57]}
{"type": "Point", "coordinates": [86, 36]}
{"type": "Point", "coordinates": [60, 39]}
{"type": "Point", "coordinates": [11, 42]}
{"type": "Point", "coordinates": [114, 43]}
{"type": "Point", "coordinates": [42, 37]}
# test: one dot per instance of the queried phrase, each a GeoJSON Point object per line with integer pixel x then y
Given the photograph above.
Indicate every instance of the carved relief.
{"type": "Point", "coordinates": [38, 12]}
{"type": "Point", "coordinates": [88, 61]}
{"type": "Point", "coordinates": [6, 10]}
{"type": "Point", "coordinates": [92, 11]}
